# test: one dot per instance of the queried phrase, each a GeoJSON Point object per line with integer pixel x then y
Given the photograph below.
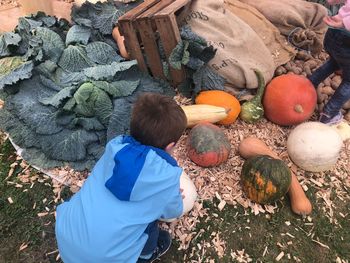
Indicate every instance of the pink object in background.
{"type": "Point", "coordinates": [33, 6]}
{"type": "Point", "coordinates": [344, 11]}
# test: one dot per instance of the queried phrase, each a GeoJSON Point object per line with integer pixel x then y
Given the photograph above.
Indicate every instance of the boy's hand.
{"type": "Point", "coordinates": [181, 191]}
{"type": "Point", "coordinates": [334, 21]}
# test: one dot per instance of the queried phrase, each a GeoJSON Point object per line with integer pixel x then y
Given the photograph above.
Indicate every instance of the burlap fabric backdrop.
{"type": "Point", "coordinates": [239, 48]}
{"type": "Point", "coordinates": [253, 34]}
{"type": "Point", "coordinates": [298, 16]}
{"type": "Point", "coordinates": [280, 49]}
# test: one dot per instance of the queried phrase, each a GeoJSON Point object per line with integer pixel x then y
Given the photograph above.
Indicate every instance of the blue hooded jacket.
{"type": "Point", "coordinates": [131, 186]}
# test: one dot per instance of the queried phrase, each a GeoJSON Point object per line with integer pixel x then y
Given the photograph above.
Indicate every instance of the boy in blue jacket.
{"type": "Point", "coordinates": [113, 218]}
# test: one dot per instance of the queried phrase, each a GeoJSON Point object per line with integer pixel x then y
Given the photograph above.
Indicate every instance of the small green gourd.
{"type": "Point", "coordinates": [252, 111]}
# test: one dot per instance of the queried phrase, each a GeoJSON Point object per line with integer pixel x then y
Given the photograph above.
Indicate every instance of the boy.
{"type": "Point", "coordinates": [113, 218]}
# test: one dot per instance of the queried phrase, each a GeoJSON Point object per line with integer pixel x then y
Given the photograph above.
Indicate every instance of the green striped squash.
{"type": "Point", "coordinates": [265, 179]}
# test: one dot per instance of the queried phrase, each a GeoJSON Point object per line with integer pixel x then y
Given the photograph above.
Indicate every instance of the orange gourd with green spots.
{"type": "Point", "coordinates": [207, 145]}
{"type": "Point", "coordinates": [265, 179]}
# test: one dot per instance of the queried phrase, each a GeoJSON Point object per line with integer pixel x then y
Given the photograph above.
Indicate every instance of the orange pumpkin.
{"type": "Point", "coordinates": [208, 145]}
{"type": "Point", "coordinates": [222, 99]}
{"type": "Point", "coordinates": [120, 42]}
{"type": "Point", "coordinates": [289, 99]}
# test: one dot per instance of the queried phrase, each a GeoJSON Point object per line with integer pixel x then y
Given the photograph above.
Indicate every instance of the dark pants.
{"type": "Point", "coordinates": [337, 44]}
{"type": "Point", "coordinates": [152, 231]}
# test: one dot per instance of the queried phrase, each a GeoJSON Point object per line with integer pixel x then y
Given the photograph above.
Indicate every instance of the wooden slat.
{"type": "Point", "coordinates": [132, 14]}
{"type": "Point", "coordinates": [171, 9]}
{"type": "Point", "coordinates": [155, 9]}
{"type": "Point", "coordinates": [139, 27]}
{"type": "Point", "coordinates": [132, 44]}
{"type": "Point", "coordinates": [150, 47]}
{"type": "Point", "coordinates": [170, 37]}
{"type": "Point", "coordinates": [148, 37]}
{"type": "Point", "coordinates": [127, 29]}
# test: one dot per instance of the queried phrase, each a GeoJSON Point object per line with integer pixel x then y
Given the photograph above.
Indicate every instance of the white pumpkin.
{"type": "Point", "coordinates": [343, 129]}
{"type": "Point", "coordinates": [314, 146]}
{"type": "Point", "coordinates": [190, 193]}
{"type": "Point", "coordinates": [80, 2]}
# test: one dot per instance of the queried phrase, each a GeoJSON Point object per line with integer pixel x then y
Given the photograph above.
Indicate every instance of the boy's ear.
{"type": "Point", "coordinates": [170, 147]}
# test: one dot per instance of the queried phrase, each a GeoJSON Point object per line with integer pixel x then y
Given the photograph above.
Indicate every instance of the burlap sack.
{"type": "Point", "coordinates": [281, 50]}
{"type": "Point", "coordinates": [299, 20]}
{"type": "Point", "coordinates": [239, 48]}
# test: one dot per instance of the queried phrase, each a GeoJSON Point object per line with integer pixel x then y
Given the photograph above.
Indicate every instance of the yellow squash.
{"type": "Point", "coordinates": [204, 113]}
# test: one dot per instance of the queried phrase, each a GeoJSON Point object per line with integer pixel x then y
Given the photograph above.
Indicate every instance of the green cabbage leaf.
{"type": "Point", "coordinates": [13, 69]}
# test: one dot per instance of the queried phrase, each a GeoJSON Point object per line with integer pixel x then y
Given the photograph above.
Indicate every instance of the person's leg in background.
{"type": "Point", "coordinates": [332, 110]}
{"type": "Point", "coordinates": [339, 49]}
{"type": "Point", "coordinates": [331, 115]}
{"type": "Point", "coordinates": [323, 72]}
{"type": "Point", "coordinates": [340, 96]}
{"type": "Point", "coordinates": [331, 64]}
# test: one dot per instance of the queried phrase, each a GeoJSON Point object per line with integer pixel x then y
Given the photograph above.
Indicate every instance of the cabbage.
{"type": "Point", "coordinates": [13, 69]}
{"type": "Point", "coordinates": [67, 89]}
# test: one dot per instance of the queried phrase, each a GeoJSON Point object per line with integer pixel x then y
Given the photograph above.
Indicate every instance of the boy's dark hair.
{"type": "Point", "coordinates": [157, 120]}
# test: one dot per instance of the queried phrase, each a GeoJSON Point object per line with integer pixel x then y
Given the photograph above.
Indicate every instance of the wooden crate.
{"type": "Point", "coordinates": [144, 25]}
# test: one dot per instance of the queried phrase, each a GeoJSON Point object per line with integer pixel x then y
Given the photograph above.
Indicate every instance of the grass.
{"type": "Point", "coordinates": [19, 222]}
{"type": "Point", "coordinates": [280, 232]}
{"type": "Point", "coordinates": [262, 237]}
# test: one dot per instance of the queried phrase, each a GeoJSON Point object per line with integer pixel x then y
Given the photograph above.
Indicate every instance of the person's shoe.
{"type": "Point", "coordinates": [164, 243]}
{"type": "Point", "coordinates": [326, 119]}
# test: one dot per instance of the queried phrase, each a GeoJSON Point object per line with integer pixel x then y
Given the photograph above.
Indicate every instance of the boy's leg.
{"type": "Point", "coordinates": [152, 242]}
{"type": "Point", "coordinates": [323, 72]}
{"type": "Point", "coordinates": [158, 243]}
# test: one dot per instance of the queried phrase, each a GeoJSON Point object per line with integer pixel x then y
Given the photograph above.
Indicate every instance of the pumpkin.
{"type": "Point", "coordinates": [120, 42]}
{"type": "Point", "coordinates": [314, 146]}
{"type": "Point", "coordinates": [343, 130]}
{"type": "Point", "coordinates": [289, 100]}
{"type": "Point", "coordinates": [208, 145]}
{"type": "Point", "coordinates": [203, 113]}
{"type": "Point", "coordinates": [222, 99]}
{"type": "Point", "coordinates": [189, 193]}
{"type": "Point", "coordinates": [300, 204]}
{"type": "Point", "coordinates": [265, 179]}
{"type": "Point", "coordinates": [252, 111]}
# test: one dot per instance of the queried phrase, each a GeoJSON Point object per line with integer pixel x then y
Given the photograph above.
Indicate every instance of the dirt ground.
{"type": "Point", "coordinates": [16, 2]}
{"type": "Point", "coordinates": [10, 11]}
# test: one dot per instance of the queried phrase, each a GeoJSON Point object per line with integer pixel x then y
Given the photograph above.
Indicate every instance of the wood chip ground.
{"type": "Point", "coordinates": [222, 184]}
